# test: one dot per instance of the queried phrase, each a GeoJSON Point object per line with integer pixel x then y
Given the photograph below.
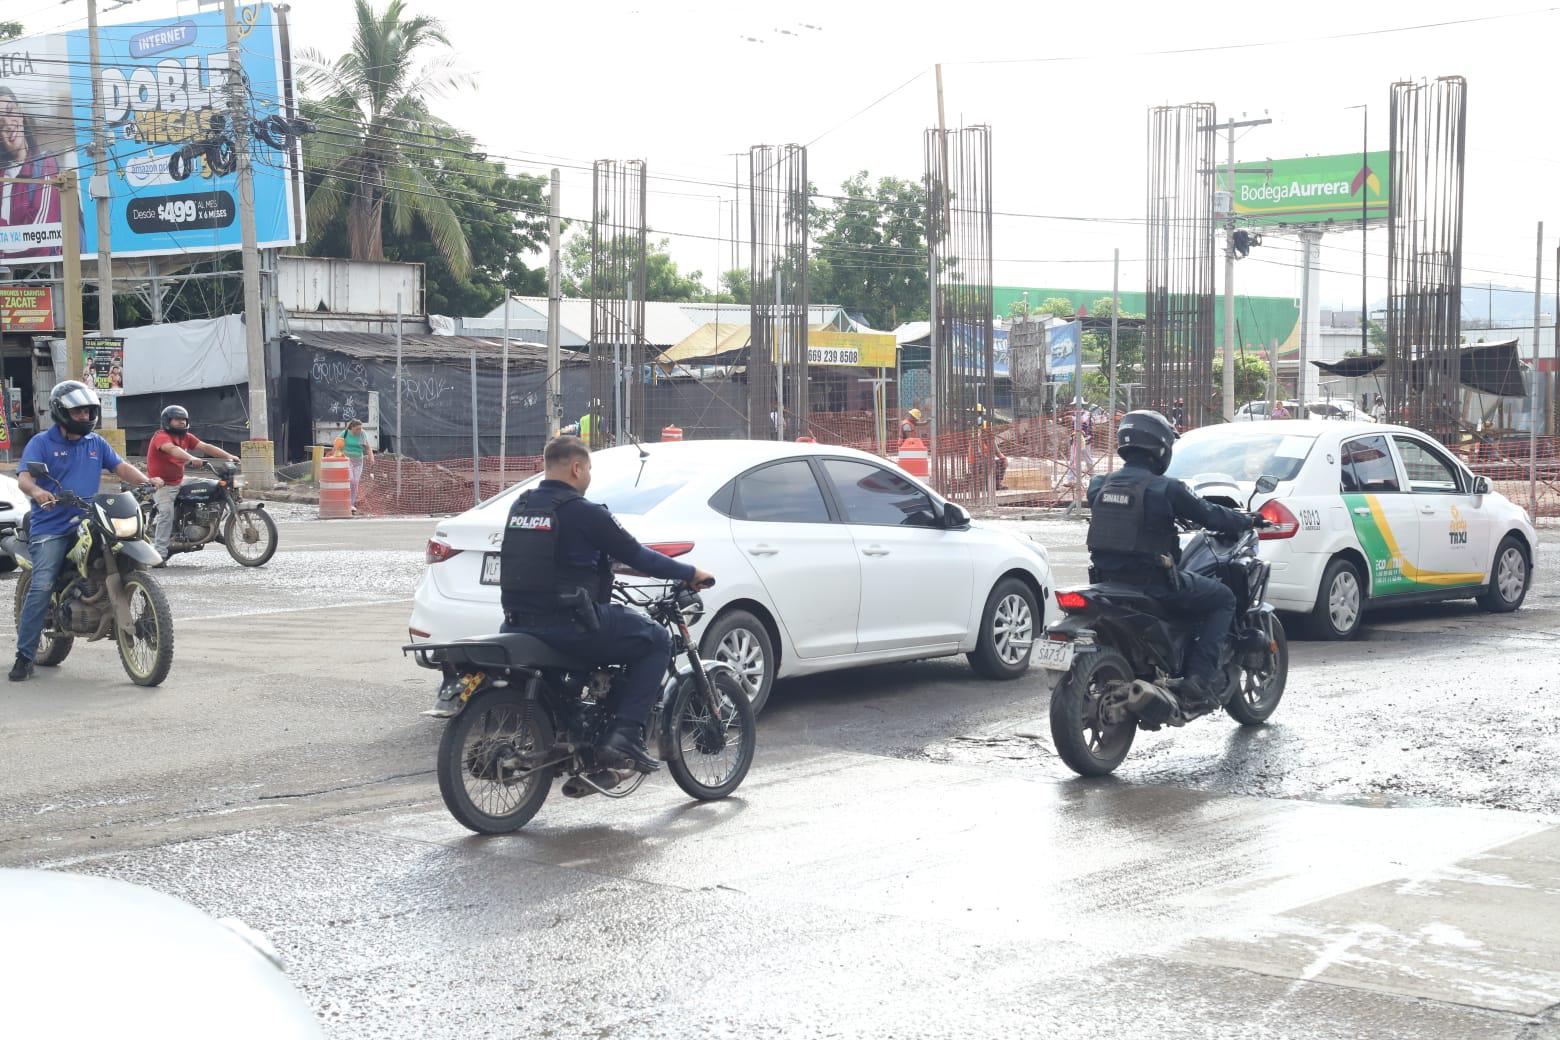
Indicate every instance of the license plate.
{"type": "Point", "coordinates": [490, 568]}
{"type": "Point", "coordinates": [1051, 654]}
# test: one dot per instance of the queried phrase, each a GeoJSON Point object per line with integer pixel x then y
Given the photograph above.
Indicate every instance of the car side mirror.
{"type": "Point", "coordinates": [1481, 486]}
{"type": "Point", "coordinates": [38, 469]}
{"type": "Point", "coordinates": [1266, 483]}
{"type": "Point", "coordinates": [955, 516]}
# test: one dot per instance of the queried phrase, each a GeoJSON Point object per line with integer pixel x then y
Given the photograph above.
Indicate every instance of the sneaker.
{"type": "Point", "coordinates": [22, 670]}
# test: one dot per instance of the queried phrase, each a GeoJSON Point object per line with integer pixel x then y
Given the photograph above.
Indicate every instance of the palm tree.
{"type": "Point", "coordinates": [378, 147]}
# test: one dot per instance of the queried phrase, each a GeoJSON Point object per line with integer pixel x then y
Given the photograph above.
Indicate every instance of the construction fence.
{"type": "Point", "coordinates": [1033, 463]}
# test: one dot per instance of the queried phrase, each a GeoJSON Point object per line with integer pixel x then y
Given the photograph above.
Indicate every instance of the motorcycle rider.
{"type": "Point", "coordinates": [76, 457]}
{"type": "Point", "coordinates": [555, 576]}
{"type": "Point", "coordinates": [171, 448]}
{"type": "Point", "coordinates": [1133, 540]}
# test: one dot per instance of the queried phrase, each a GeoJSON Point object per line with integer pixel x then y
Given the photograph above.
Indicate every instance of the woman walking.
{"type": "Point", "coordinates": [353, 443]}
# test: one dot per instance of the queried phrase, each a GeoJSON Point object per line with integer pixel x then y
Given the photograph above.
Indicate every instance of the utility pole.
{"type": "Point", "coordinates": [1228, 389]}
{"type": "Point", "coordinates": [1115, 309]}
{"type": "Point", "coordinates": [554, 271]}
{"type": "Point", "coordinates": [1538, 304]}
{"type": "Point", "coordinates": [931, 252]}
{"type": "Point", "coordinates": [254, 339]}
{"type": "Point", "coordinates": [97, 183]}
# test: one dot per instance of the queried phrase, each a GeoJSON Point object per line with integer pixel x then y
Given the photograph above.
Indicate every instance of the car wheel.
{"type": "Point", "coordinates": [1509, 578]}
{"type": "Point", "coordinates": [1007, 631]}
{"type": "Point", "coordinates": [1340, 602]}
{"type": "Point", "coordinates": [740, 640]}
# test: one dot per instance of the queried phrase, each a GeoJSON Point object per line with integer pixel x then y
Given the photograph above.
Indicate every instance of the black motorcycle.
{"type": "Point", "coordinates": [213, 510]}
{"type": "Point", "coordinates": [520, 713]}
{"type": "Point", "coordinates": [1121, 649]}
{"type": "Point", "coordinates": [102, 588]}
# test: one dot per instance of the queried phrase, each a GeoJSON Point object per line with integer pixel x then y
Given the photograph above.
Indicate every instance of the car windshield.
{"type": "Point", "coordinates": [1241, 458]}
{"type": "Point", "coordinates": [617, 482]}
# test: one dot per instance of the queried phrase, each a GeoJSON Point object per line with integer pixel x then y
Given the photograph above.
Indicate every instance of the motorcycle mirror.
{"type": "Point", "coordinates": [1265, 483]}
{"type": "Point", "coordinates": [38, 469]}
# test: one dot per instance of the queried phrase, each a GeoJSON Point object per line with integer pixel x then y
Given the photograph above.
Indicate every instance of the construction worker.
{"type": "Point", "coordinates": [984, 450]}
{"type": "Point", "coordinates": [910, 427]}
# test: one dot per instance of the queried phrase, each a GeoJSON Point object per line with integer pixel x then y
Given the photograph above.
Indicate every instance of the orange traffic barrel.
{"type": "Point", "coordinates": [913, 458]}
{"type": "Point", "coordinates": [671, 433]}
{"type": "Point", "coordinates": [335, 488]}
{"type": "Point", "coordinates": [804, 439]}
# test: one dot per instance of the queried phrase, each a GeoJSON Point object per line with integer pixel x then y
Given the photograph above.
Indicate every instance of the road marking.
{"type": "Point", "coordinates": [300, 610]}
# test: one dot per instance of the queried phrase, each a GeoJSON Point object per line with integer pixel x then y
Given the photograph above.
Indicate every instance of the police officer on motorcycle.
{"type": "Point", "coordinates": [1133, 539]}
{"type": "Point", "coordinates": [556, 582]}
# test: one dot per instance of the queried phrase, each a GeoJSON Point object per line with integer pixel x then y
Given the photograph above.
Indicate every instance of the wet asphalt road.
{"type": "Point", "coordinates": [907, 858]}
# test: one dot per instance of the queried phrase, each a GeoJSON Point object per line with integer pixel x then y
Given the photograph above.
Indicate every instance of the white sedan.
{"type": "Point", "coordinates": [825, 558]}
{"type": "Point", "coordinates": [13, 506]}
{"type": "Point", "coordinates": [1366, 515]}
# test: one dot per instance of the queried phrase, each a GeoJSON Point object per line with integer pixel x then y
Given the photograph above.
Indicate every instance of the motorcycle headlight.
{"type": "Point", "coordinates": [238, 482]}
{"type": "Point", "coordinates": [125, 526]}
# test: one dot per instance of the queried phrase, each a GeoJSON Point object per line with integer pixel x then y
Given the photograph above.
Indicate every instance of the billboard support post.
{"type": "Point", "coordinates": [259, 414]}
{"type": "Point", "coordinates": [105, 234]}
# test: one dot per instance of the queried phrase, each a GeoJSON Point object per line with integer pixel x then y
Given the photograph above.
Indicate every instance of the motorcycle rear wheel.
{"type": "Point", "coordinates": [483, 791]}
{"type": "Point", "coordinates": [1089, 745]}
{"type": "Point", "coordinates": [709, 757]}
{"type": "Point", "coordinates": [251, 542]}
{"type": "Point", "coordinates": [1256, 697]}
{"type": "Point", "coordinates": [51, 649]}
{"type": "Point", "coordinates": [146, 648]}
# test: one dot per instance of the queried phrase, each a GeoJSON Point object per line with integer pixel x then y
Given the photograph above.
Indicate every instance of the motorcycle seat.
{"type": "Point", "coordinates": [516, 649]}
{"type": "Point", "coordinates": [1131, 597]}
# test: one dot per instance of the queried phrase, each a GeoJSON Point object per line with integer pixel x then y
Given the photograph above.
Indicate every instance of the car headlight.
{"type": "Point", "coordinates": [126, 526]}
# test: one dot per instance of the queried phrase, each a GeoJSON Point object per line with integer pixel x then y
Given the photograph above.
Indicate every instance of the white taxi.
{"type": "Point", "coordinates": [1366, 515]}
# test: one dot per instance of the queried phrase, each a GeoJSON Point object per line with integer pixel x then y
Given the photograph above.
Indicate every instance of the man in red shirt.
{"type": "Point", "coordinates": [172, 447]}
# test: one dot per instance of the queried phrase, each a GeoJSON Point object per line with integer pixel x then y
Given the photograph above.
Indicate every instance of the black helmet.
{"type": "Point", "coordinates": [1147, 436]}
{"type": "Point", "coordinates": [173, 412]}
{"type": "Point", "coordinates": [71, 394]}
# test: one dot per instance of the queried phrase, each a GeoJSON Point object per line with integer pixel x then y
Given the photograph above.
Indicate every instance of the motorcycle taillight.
{"type": "Point", "coordinates": [1072, 602]}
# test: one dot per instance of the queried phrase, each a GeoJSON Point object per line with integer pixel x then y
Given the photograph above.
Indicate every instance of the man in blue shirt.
{"type": "Point", "coordinates": [76, 457]}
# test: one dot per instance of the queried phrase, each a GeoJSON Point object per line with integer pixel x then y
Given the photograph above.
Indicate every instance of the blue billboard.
{"type": "Point", "coordinates": [1063, 350]}
{"type": "Point", "coordinates": [170, 171]}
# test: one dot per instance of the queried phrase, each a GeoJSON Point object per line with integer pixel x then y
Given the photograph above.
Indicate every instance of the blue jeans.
{"type": "Point", "coordinates": [48, 555]}
{"type": "Point", "coordinates": [626, 637]}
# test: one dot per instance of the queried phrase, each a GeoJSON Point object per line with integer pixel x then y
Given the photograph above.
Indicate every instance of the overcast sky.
{"type": "Point", "coordinates": [1065, 88]}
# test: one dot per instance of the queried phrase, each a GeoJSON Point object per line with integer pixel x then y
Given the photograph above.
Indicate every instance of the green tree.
{"type": "Point", "coordinates": [870, 250]}
{"type": "Point", "coordinates": [11, 30]}
{"type": "Point", "coordinates": [1056, 307]}
{"type": "Point", "coordinates": [663, 281]}
{"type": "Point", "coordinates": [1251, 379]}
{"type": "Point", "coordinates": [379, 148]}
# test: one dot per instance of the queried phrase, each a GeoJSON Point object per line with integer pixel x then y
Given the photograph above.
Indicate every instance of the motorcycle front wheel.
{"type": "Point", "coordinates": [1257, 694]}
{"type": "Point", "coordinates": [484, 776]}
{"type": "Point", "coordinates": [51, 649]}
{"type": "Point", "coordinates": [709, 753]}
{"type": "Point", "coordinates": [1088, 744]}
{"type": "Point", "coordinates": [250, 537]}
{"type": "Point", "coordinates": [146, 647]}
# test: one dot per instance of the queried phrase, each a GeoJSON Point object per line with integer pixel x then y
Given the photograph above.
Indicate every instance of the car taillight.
{"type": "Point", "coordinates": [438, 552]}
{"type": "Point", "coordinates": [417, 633]}
{"type": "Point", "coordinates": [671, 548]}
{"type": "Point", "coordinates": [1072, 601]}
{"type": "Point", "coordinates": [1281, 522]}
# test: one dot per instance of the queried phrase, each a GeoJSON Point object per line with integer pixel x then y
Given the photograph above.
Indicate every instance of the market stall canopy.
{"type": "Point", "coordinates": [1490, 368]}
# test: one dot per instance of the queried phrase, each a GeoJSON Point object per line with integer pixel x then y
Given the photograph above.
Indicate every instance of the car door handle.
{"type": "Point", "coordinates": [763, 550]}
{"type": "Point", "coordinates": [1427, 510]}
{"type": "Point", "coordinates": [874, 550]}
{"type": "Point", "coordinates": [1362, 510]}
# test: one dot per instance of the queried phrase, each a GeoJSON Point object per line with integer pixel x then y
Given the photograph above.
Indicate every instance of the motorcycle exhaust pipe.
{"type": "Point", "coordinates": [1151, 705]}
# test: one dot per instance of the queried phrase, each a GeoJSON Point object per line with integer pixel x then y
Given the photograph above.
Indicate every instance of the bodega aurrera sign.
{"type": "Point", "coordinates": [1319, 189]}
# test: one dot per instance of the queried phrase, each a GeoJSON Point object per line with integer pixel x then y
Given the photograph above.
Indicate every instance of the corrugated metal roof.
{"type": "Point", "coordinates": [371, 347]}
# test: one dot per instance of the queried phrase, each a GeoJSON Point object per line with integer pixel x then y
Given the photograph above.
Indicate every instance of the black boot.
{"type": "Point", "coordinates": [21, 670]}
{"type": "Point", "coordinates": [624, 748]}
{"type": "Point", "coordinates": [1197, 693]}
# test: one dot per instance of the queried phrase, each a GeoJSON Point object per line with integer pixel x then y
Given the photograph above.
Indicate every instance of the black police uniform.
{"type": "Point", "coordinates": [1132, 527]}
{"type": "Point", "coordinates": [556, 582]}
